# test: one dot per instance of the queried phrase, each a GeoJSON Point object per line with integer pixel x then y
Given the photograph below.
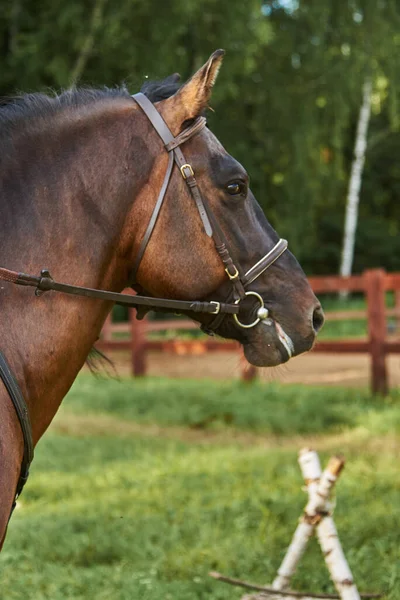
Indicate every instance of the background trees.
{"type": "Point", "coordinates": [286, 104]}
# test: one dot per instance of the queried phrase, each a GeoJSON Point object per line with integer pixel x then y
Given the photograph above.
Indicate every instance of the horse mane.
{"type": "Point", "coordinates": [19, 112]}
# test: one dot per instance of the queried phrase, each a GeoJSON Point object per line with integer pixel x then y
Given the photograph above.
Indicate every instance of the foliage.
{"type": "Point", "coordinates": [286, 104]}
{"type": "Point", "coordinates": [146, 515]}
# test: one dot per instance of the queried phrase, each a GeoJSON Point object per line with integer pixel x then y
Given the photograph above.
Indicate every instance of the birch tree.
{"type": "Point", "coordinates": [353, 194]}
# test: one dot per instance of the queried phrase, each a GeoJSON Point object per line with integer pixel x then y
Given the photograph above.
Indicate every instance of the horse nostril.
{"type": "Point", "coordinates": [318, 318]}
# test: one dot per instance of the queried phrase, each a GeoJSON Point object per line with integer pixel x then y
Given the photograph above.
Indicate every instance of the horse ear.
{"type": "Point", "coordinates": [192, 98]}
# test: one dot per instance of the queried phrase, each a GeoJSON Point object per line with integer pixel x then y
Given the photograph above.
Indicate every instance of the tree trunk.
{"type": "Point", "coordinates": [353, 194]}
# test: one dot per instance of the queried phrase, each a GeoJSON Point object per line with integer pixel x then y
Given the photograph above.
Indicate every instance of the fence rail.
{"type": "Point", "coordinates": [373, 283]}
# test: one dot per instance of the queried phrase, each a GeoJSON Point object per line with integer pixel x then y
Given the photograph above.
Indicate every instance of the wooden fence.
{"type": "Point", "coordinates": [133, 336]}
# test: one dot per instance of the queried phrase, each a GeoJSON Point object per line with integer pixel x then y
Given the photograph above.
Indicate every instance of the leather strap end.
{"type": "Point", "coordinates": [10, 276]}
{"type": "Point", "coordinates": [207, 227]}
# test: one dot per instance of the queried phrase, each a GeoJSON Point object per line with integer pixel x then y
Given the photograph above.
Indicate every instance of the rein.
{"type": "Point", "coordinates": [44, 283]}
{"type": "Point", "coordinates": [12, 387]}
{"type": "Point", "coordinates": [239, 280]}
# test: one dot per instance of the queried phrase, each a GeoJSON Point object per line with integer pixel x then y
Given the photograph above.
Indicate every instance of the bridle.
{"type": "Point", "coordinates": [239, 280]}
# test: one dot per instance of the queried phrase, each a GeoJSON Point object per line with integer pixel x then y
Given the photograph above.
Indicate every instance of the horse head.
{"type": "Point", "coordinates": [179, 255]}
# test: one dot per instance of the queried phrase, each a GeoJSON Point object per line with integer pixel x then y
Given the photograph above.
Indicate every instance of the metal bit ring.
{"type": "Point", "coordinates": [262, 312]}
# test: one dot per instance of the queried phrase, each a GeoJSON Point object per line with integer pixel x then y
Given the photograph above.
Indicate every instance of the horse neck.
{"type": "Point", "coordinates": [75, 212]}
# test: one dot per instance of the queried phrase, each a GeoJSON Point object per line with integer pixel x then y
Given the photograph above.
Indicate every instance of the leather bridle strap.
{"type": "Point", "coordinates": [165, 134]}
{"type": "Point", "coordinates": [171, 145]}
{"type": "Point", "coordinates": [21, 409]}
{"type": "Point", "coordinates": [152, 221]}
{"type": "Point", "coordinates": [251, 275]}
{"type": "Point", "coordinates": [45, 283]}
{"type": "Point", "coordinates": [265, 262]}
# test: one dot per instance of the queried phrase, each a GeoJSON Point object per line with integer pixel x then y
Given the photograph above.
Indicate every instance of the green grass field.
{"type": "Point", "coordinates": [140, 488]}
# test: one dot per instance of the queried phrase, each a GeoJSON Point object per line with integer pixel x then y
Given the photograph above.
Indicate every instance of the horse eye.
{"type": "Point", "coordinates": [235, 188]}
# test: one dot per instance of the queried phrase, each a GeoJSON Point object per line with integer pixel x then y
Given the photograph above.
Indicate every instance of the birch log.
{"type": "Point", "coordinates": [316, 516]}
{"type": "Point", "coordinates": [335, 560]}
{"type": "Point", "coordinates": [319, 487]}
{"type": "Point", "coordinates": [311, 469]}
{"type": "Point", "coordinates": [319, 502]}
{"type": "Point", "coordinates": [353, 193]}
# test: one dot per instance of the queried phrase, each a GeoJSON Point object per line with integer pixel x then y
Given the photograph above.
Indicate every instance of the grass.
{"type": "Point", "coordinates": [269, 409]}
{"type": "Point", "coordinates": [140, 488]}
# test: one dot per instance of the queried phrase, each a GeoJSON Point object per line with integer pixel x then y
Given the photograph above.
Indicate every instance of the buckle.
{"type": "Point", "coordinates": [235, 274]}
{"type": "Point", "coordinates": [217, 307]}
{"type": "Point", "coordinates": [187, 166]}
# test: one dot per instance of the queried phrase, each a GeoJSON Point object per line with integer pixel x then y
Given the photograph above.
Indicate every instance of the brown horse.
{"type": "Point", "coordinates": [79, 177]}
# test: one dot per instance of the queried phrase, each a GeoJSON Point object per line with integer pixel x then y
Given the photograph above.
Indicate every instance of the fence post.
{"type": "Point", "coordinates": [375, 295]}
{"type": "Point", "coordinates": [138, 344]}
{"type": "Point", "coordinates": [249, 372]}
{"type": "Point", "coordinates": [397, 307]}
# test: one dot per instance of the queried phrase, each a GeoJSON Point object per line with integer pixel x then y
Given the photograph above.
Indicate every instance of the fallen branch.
{"type": "Point", "coordinates": [270, 590]}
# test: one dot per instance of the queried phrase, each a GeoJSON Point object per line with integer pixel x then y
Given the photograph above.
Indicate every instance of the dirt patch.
{"type": "Point", "coordinates": [314, 368]}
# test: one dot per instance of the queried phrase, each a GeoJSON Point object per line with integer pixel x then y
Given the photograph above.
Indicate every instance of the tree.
{"type": "Point", "coordinates": [353, 195]}
{"type": "Point", "coordinates": [286, 104]}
